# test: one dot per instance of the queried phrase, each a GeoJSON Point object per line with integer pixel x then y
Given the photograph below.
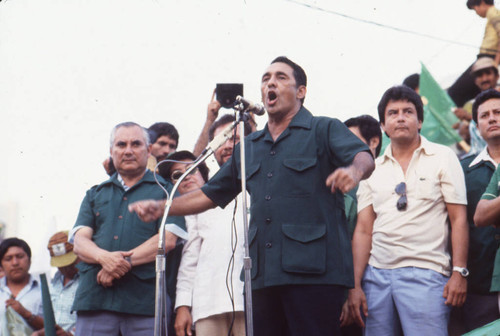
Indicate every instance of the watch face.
{"type": "Point", "coordinates": [462, 270]}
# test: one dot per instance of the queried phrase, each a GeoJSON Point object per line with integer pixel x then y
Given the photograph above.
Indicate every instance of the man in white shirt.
{"type": "Point", "coordinates": [402, 272]}
{"type": "Point", "coordinates": [202, 294]}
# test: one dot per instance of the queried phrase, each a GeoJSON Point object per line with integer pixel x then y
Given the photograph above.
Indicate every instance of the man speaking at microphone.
{"type": "Point", "coordinates": [297, 168]}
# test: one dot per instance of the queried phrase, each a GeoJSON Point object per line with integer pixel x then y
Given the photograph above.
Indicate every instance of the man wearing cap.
{"type": "Point", "coordinates": [19, 289]}
{"type": "Point", "coordinates": [116, 291]}
{"type": "Point", "coordinates": [464, 89]}
{"type": "Point", "coordinates": [65, 282]}
{"type": "Point", "coordinates": [485, 75]}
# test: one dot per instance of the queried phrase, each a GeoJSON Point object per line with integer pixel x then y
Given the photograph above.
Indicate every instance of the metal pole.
{"type": "Point", "coordinates": [247, 262]}
{"type": "Point", "coordinates": [161, 320]}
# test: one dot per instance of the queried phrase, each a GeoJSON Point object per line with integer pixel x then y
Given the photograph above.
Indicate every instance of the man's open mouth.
{"type": "Point", "coordinates": [271, 97]}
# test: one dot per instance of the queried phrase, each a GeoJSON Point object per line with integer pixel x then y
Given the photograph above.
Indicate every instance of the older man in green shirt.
{"type": "Point", "coordinates": [117, 274]}
{"type": "Point", "coordinates": [298, 168]}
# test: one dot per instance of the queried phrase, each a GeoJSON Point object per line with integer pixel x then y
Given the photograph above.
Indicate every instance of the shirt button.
{"type": "Point", "coordinates": [268, 198]}
{"type": "Point", "coordinates": [269, 174]}
{"type": "Point", "coordinates": [120, 217]}
{"type": "Point", "coordinates": [273, 153]}
{"type": "Point", "coordinates": [125, 198]}
{"type": "Point", "coordinates": [115, 237]}
{"type": "Point", "coordinates": [268, 220]}
{"type": "Point", "coordinates": [97, 214]}
{"type": "Point", "coordinates": [269, 245]}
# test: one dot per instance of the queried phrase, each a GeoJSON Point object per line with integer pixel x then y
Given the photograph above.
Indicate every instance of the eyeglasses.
{"type": "Point", "coordinates": [176, 174]}
{"type": "Point", "coordinates": [402, 201]}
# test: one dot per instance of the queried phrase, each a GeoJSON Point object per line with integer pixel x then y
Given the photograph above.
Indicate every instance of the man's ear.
{"type": "Point", "coordinates": [373, 143]}
{"type": "Point", "coordinates": [301, 92]}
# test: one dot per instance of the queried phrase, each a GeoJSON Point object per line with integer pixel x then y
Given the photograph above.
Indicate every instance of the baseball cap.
{"type": "Point", "coordinates": [482, 63]}
{"type": "Point", "coordinates": [61, 251]}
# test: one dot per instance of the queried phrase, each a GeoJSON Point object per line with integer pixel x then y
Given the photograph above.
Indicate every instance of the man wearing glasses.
{"type": "Point", "coordinates": [402, 271]}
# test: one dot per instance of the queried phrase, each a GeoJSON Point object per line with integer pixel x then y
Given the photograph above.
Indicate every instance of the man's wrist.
{"type": "Point", "coordinates": [31, 318]}
{"type": "Point", "coordinates": [463, 271]}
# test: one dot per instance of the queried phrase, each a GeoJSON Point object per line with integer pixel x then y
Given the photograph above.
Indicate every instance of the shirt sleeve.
{"type": "Point", "coordinates": [343, 144]}
{"type": "Point", "coordinates": [452, 180]}
{"type": "Point", "coordinates": [491, 191]}
{"type": "Point", "coordinates": [189, 262]}
{"type": "Point", "coordinates": [364, 195]}
{"type": "Point", "coordinates": [86, 215]}
{"type": "Point", "coordinates": [224, 186]}
{"type": "Point", "coordinates": [177, 226]}
{"type": "Point", "coordinates": [493, 16]}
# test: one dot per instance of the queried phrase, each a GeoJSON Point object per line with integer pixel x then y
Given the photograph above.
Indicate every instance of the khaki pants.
{"type": "Point", "coordinates": [218, 325]}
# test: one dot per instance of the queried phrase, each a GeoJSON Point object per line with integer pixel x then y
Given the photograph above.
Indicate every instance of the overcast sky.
{"type": "Point", "coordinates": [72, 69]}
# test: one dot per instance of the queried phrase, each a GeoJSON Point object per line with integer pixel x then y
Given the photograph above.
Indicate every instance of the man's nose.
{"type": "Point", "coordinates": [128, 149]}
{"type": "Point", "coordinates": [228, 144]}
{"type": "Point", "coordinates": [271, 81]}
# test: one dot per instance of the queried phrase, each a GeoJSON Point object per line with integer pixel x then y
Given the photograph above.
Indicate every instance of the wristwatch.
{"type": "Point", "coordinates": [462, 270]}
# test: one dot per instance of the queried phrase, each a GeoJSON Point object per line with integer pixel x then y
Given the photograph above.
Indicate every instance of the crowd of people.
{"type": "Point", "coordinates": [343, 239]}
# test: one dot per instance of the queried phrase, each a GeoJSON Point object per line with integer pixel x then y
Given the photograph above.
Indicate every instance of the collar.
{"type": "Point", "coordinates": [426, 147]}
{"type": "Point", "coordinates": [31, 283]}
{"type": "Point", "coordinates": [118, 180]}
{"type": "Point", "coordinates": [303, 119]}
{"type": "Point", "coordinates": [483, 156]}
{"type": "Point", "coordinates": [58, 277]}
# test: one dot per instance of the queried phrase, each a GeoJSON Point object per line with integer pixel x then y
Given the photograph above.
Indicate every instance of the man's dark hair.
{"type": "Point", "coordinates": [163, 128]}
{"type": "Point", "coordinates": [400, 92]}
{"type": "Point", "coordinates": [412, 81]}
{"type": "Point", "coordinates": [226, 119]}
{"type": "Point", "coordinates": [472, 3]}
{"type": "Point", "coordinates": [482, 98]}
{"type": "Point", "coordinates": [165, 169]}
{"type": "Point", "coordinates": [298, 73]}
{"type": "Point", "coordinates": [369, 128]}
{"type": "Point", "coordinates": [10, 242]}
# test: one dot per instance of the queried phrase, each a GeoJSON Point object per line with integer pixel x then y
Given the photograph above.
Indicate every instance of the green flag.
{"type": "Point", "coordinates": [48, 311]}
{"type": "Point", "coordinates": [491, 329]}
{"type": "Point", "coordinates": [438, 111]}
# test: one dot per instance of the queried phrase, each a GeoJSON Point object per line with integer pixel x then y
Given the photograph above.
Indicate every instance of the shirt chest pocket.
{"type": "Point", "coordinates": [101, 212]}
{"type": "Point", "coordinates": [427, 187]}
{"type": "Point", "coordinates": [299, 177]}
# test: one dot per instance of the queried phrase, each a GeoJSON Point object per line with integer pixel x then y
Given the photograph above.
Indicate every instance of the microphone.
{"type": "Point", "coordinates": [248, 106]}
{"type": "Point", "coordinates": [221, 138]}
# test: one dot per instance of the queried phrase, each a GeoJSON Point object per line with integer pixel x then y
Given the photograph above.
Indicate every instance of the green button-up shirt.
{"type": "Point", "coordinates": [491, 193]}
{"type": "Point", "coordinates": [105, 210]}
{"type": "Point", "coordinates": [483, 241]}
{"type": "Point", "coordinates": [298, 232]}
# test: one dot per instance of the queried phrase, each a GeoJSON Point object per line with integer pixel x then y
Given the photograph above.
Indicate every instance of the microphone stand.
{"type": "Point", "coordinates": [247, 261]}
{"type": "Point", "coordinates": [160, 326]}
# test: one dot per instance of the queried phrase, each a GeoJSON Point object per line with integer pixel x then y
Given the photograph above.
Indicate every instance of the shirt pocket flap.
{"type": "Point", "coordinates": [252, 233]}
{"type": "Point", "coordinates": [300, 164]}
{"type": "Point", "coordinates": [304, 233]}
{"type": "Point", "coordinates": [250, 171]}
